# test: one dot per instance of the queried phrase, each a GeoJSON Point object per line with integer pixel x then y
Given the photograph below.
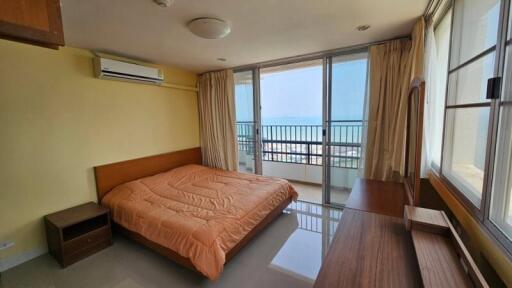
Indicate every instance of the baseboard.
{"type": "Point", "coordinates": [10, 262]}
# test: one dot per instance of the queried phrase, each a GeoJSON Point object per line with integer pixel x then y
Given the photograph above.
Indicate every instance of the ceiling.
{"type": "Point", "coordinates": [261, 30]}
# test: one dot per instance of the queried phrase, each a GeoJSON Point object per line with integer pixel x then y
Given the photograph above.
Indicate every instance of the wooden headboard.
{"type": "Point", "coordinates": [111, 175]}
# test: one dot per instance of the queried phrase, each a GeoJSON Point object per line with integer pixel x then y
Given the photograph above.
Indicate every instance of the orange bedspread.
{"type": "Point", "coordinates": [198, 212]}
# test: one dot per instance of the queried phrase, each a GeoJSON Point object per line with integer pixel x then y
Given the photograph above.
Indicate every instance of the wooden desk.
{"type": "Point", "coordinates": [387, 198]}
{"type": "Point", "coordinates": [370, 250]}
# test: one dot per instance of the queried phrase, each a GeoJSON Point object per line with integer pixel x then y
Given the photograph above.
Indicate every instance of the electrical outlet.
{"type": "Point", "coordinates": [6, 244]}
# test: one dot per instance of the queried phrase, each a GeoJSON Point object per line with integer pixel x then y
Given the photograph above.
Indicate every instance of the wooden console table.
{"type": "Point", "coordinates": [386, 198]}
{"type": "Point", "coordinates": [369, 250]}
{"type": "Point", "coordinates": [375, 247]}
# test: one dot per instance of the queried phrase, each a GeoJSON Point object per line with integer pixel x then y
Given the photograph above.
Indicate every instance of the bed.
{"type": "Point", "coordinates": [198, 216]}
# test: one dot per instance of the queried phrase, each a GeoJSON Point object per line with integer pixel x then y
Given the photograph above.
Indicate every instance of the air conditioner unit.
{"type": "Point", "coordinates": [124, 71]}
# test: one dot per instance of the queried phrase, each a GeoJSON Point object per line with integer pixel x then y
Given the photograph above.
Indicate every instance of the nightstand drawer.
{"type": "Point", "coordinates": [86, 251]}
{"type": "Point", "coordinates": [79, 243]}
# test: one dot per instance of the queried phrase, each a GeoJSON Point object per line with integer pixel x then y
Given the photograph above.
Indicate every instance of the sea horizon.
{"type": "Point", "coordinates": [292, 120]}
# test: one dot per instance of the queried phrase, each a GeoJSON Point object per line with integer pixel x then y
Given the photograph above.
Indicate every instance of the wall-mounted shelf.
{"type": "Point", "coordinates": [36, 22]}
{"type": "Point", "coordinates": [442, 257]}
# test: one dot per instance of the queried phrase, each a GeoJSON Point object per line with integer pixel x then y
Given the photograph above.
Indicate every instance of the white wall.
{"type": "Point", "coordinates": [247, 160]}
{"type": "Point", "coordinates": [340, 177]}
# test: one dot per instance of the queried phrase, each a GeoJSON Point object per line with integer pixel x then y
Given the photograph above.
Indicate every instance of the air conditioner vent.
{"type": "Point", "coordinates": [124, 71]}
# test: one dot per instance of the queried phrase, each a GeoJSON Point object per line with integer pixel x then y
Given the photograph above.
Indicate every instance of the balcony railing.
{"type": "Point", "coordinates": [302, 144]}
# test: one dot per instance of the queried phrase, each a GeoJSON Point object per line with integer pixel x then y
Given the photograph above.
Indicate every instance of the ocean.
{"type": "Point", "coordinates": [292, 121]}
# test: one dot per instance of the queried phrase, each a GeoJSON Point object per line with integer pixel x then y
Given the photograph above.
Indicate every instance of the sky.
{"type": "Point", "coordinates": [295, 96]}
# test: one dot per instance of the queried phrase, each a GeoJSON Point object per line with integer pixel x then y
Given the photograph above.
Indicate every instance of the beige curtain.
{"type": "Point", "coordinates": [217, 119]}
{"type": "Point", "coordinates": [418, 49]}
{"type": "Point", "coordinates": [393, 65]}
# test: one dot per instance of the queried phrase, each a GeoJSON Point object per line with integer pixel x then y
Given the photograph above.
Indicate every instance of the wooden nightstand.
{"type": "Point", "coordinates": [78, 232]}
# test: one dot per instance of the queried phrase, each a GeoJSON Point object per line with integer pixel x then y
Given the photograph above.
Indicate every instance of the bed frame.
{"type": "Point", "coordinates": [111, 175]}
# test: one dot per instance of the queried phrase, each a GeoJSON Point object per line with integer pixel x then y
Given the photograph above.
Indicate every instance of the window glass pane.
{"type": "Point", "coordinates": [506, 95]}
{"type": "Point", "coordinates": [291, 130]}
{"type": "Point", "coordinates": [346, 127]}
{"type": "Point", "coordinates": [501, 201]}
{"type": "Point", "coordinates": [501, 204]}
{"type": "Point", "coordinates": [464, 150]}
{"type": "Point", "coordinates": [437, 101]}
{"type": "Point", "coordinates": [475, 28]}
{"type": "Point", "coordinates": [510, 23]}
{"type": "Point", "coordinates": [469, 83]}
{"type": "Point", "coordinates": [245, 121]}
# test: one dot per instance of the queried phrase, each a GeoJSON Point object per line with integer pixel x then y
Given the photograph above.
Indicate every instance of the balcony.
{"type": "Point", "coordinates": [294, 152]}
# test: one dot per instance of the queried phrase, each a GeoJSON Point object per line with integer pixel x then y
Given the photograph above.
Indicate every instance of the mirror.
{"type": "Point", "coordinates": [414, 138]}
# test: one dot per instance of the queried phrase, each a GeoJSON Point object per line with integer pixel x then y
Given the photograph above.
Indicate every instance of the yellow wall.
{"type": "Point", "coordinates": [57, 121]}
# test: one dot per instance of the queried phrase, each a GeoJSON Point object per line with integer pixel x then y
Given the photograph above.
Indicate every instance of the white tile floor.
{"type": "Point", "coordinates": [287, 253]}
{"type": "Point", "coordinates": [311, 192]}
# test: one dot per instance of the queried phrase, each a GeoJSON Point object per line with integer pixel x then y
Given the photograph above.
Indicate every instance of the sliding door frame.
{"type": "Point", "coordinates": [326, 106]}
{"type": "Point", "coordinates": [327, 120]}
{"type": "Point", "coordinates": [326, 57]}
{"type": "Point", "coordinates": [255, 73]}
{"type": "Point", "coordinates": [258, 158]}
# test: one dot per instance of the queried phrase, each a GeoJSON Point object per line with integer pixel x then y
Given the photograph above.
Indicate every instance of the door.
{"type": "Point", "coordinates": [344, 109]}
{"type": "Point", "coordinates": [247, 121]}
{"type": "Point", "coordinates": [291, 131]}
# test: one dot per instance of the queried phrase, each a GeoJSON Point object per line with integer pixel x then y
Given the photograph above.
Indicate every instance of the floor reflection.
{"type": "Point", "coordinates": [311, 192]}
{"type": "Point", "coordinates": [287, 253]}
{"type": "Point", "coordinates": [302, 254]}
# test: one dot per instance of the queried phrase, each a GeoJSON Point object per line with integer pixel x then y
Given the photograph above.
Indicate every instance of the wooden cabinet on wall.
{"type": "Point", "coordinates": [32, 21]}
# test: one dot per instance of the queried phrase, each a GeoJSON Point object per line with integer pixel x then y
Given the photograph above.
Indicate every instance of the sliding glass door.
{"type": "Point", "coordinates": [291, 114]}
{"type": "Point", "coordinates": [344, 124]}
{"type": "Point", "coordinates": [247, 124]}
{"type": "Point", "coordinates": [309, 127]}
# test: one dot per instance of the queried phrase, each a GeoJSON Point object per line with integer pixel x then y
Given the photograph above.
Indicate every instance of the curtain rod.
{"type": "Point", "coordinates": [179, 87]}
{"type": "Point", "coordinates": [312, 56]}
{"type": "Point", "coordinates": [429, 6]}
{"type": "Point", "coordinates": [433, 8]}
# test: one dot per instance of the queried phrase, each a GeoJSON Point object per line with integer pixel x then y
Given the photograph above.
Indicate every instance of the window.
{"type": "Point", "coordinates": [437, 100]}
{"type": "Point", "coordinates": [501, 203]}
{"type": "Point", "coordinates": [464, 160]}
{"type": "Point", "coordinates": [472, 63]}
{"type": "Point", "coordinates": [477, 140]}
{"type": "Point", "coordinates": [475, 29]}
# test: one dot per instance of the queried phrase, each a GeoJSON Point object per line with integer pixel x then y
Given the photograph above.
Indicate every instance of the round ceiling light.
{"type": "Point", "coordinates": [164, 3]}
{"type": "Point", "coordinates": [209, 28]}
{"type": "Point", "coordinates": [362, 27]}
